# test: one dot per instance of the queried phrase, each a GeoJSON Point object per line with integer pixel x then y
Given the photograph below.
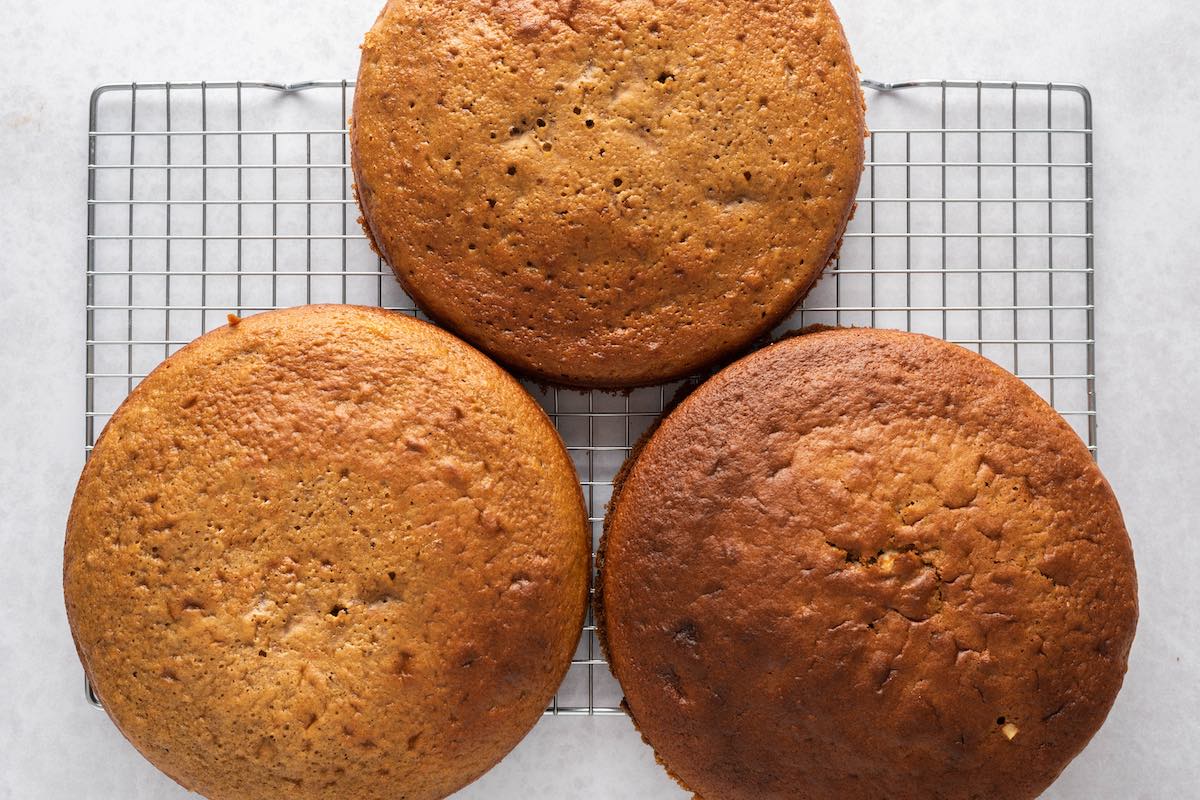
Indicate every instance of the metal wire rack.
{"type": "Point", "coordinates": [974, 224]}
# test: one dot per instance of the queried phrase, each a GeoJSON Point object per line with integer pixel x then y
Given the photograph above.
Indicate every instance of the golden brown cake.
{"type": "Point", "coordinates": [326, 552]}
{"type": "Point", "coordinates": [866, 564]}
{"type": "Point", "coordinates": [607, 193]}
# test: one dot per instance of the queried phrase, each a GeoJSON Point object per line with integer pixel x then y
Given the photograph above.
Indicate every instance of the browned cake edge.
{"type": "Point", "coordinates": [85, 475]}
{"type": "Point", "coordinates": [618, 483]}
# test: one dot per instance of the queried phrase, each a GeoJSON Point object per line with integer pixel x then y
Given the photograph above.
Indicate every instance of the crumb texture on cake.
{"type": "Point", "coordinates": [327, 552]}
{"type": "Point", "coordinates": [607, 192]}
{"type": "Point", "coordinates": [866, 564]}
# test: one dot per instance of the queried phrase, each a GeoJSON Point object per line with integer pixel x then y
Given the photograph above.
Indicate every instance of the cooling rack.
{"type": "Point", "coordinates": [974, 224]}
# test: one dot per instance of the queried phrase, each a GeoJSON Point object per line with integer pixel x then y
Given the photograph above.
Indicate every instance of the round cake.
{"type": "Point", "coordinates": [866, 564]}
{"type": "Point", "coordinates": [326, 552]}
{"type": "Point", "coordinates": [601, 193]}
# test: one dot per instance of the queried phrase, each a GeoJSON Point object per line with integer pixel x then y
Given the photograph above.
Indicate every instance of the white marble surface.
{"type": "Point", "coordinates": [1139, 67]}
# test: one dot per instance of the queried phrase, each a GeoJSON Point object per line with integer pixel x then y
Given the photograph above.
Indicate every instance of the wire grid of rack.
{"type": "Point", "coordinates": [974, 224]}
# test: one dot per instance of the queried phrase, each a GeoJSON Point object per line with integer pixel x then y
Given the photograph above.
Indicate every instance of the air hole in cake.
{"type": "Point", "coordinates": [686, 634]}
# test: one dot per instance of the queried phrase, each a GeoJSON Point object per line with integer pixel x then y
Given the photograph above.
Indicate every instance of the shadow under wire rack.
{"type": "Point", "coordinates": [974, 224]}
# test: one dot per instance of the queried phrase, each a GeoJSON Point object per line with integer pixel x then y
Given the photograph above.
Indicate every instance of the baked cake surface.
{"type": "Point", "coordinates": [607, 192]}
{"type": "Point", "coordinates": [866, 564]}
{"type": "Point", "coordinates": [327, 552]}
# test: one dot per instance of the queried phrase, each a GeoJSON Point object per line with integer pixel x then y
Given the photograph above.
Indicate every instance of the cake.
{"type": "Point", "coordinates": [326, 552]}
{"type": "Point", "coordinates": [607, 194]}
{"type": "Point", "coordinates": [866, 564]}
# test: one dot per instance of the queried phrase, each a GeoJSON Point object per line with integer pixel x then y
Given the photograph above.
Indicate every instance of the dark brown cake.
{"type": "Point", "coordinates": [866, 564]}
{"type": "Point", "coordinates": [603, 192]}
{"type": "Point", "coordinates": [327, 552]}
